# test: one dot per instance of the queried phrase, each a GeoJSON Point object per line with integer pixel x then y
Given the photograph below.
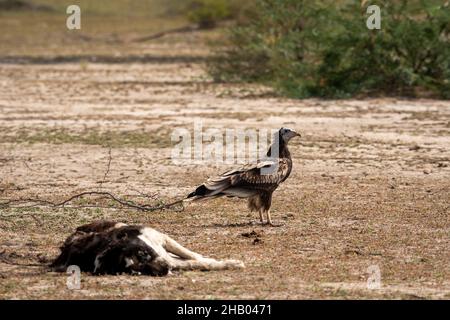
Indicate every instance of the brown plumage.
{"type": "Point", "coordinates": [256, 182]}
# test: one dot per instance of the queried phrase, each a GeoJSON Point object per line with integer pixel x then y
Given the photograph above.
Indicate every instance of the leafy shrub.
{"type": "Point", "coordinates": [323, 48]}
{"type": "Point", "coordinates": [6, 5]}
{"type": "Point", "coordinates": [206, 13]}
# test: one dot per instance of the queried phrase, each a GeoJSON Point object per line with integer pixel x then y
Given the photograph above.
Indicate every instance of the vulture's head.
{"type": "Point", "coordinates": [287, 134]}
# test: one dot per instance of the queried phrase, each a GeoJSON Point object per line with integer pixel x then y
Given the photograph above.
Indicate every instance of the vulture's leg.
{"type": "Point", "coordinates": [261, 216]}
{"type": "Point", "coordinates": [269, 220]}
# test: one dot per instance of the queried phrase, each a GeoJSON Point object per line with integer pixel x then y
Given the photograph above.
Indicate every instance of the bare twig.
{"type": "Point", "coordinates": [26, 165]}
{"type": "Point", "coordinates": [161, 34]}
{"type": "Point", "coordinates": [108, 168]}
{"type": "Point", "coordinates": [5, 204]}
{"type": "Point", "coordinates": [125, 203]}
{"type": "Point", "coordinates": [8, 261]}
{"type": "Point", "coordinates": [38, 221]}
{"type": "Point", "coordinates": [100, 193]}
{"type": "Point", "coordinates": [145, 195]}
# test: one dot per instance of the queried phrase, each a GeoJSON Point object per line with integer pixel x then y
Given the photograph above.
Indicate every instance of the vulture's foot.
{"type": "Point", "coordinates": [269, 221]}
{"type": "Point", "coordinates": [272, 224]}
{"type": "Point", "coordinates": [260, 223]}
{"type": "Point", "coordinates": [275, 224]}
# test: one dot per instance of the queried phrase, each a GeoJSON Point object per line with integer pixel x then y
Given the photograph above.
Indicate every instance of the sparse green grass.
{"type": "Point", "coordinates": [106, 26]}
{"type": "Point", "coordinates": [113, 139]}
{"type": "Point", "coordinates": [145, 8]}
{"type": "Point", "coordinates": [330, 212]}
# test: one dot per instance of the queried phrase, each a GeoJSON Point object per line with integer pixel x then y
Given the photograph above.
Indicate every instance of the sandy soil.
{"type": "Point", "coordinates": [370, 186]}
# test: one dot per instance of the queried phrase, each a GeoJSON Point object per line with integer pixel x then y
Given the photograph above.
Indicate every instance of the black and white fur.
{"type": "Point", "coordinates": [106, 247]}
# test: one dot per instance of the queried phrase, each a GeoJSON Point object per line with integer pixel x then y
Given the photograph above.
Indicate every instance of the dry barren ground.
{"type": "Point", "coordinates": [370, 186]}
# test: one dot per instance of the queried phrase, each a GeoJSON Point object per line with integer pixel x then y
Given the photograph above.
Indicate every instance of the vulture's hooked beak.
{"type": "Point", "coordinates": [294, 134]}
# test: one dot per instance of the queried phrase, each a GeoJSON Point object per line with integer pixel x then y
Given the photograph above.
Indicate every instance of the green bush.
{"type": "Point", "coordinates": [323, 48]}
{"type": "Point", "coordinates": [206, 13]}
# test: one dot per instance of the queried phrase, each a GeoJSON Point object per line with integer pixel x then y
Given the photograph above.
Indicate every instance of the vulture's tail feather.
{"type": "Point", "coordinates": [199, 192]}
{"type": "Point", "coordinates": [203, 193]}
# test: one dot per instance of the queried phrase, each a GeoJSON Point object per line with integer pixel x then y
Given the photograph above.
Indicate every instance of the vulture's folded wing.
{"type": "Point", "coordinates": [247, 180]}
{"type": "Point", "coordinates": [264, 174]}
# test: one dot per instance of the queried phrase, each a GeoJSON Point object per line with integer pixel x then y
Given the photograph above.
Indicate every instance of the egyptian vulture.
{"type": "Point", "coordinates": [256, 182]}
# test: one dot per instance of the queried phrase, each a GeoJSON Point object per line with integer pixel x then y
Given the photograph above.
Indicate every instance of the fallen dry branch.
{"type": "Point", "coordinates": [161, 34]}
{"type": "Point", "coordinates": [32, 203]}
{"type": "Point", "coordinates": [7, 259]}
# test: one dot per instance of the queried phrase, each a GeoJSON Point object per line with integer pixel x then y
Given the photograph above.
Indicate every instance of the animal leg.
{"type": "Point", "coordinates": [193, 261]}
{"type": "Point", "coordinates": [261, 216]}
{"type": "Point", "coordinates": [269, 220]}
{"type": "Point", "coordinates": [174, 247]}
{"type": "Point", "coordinates": [206, 264]}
